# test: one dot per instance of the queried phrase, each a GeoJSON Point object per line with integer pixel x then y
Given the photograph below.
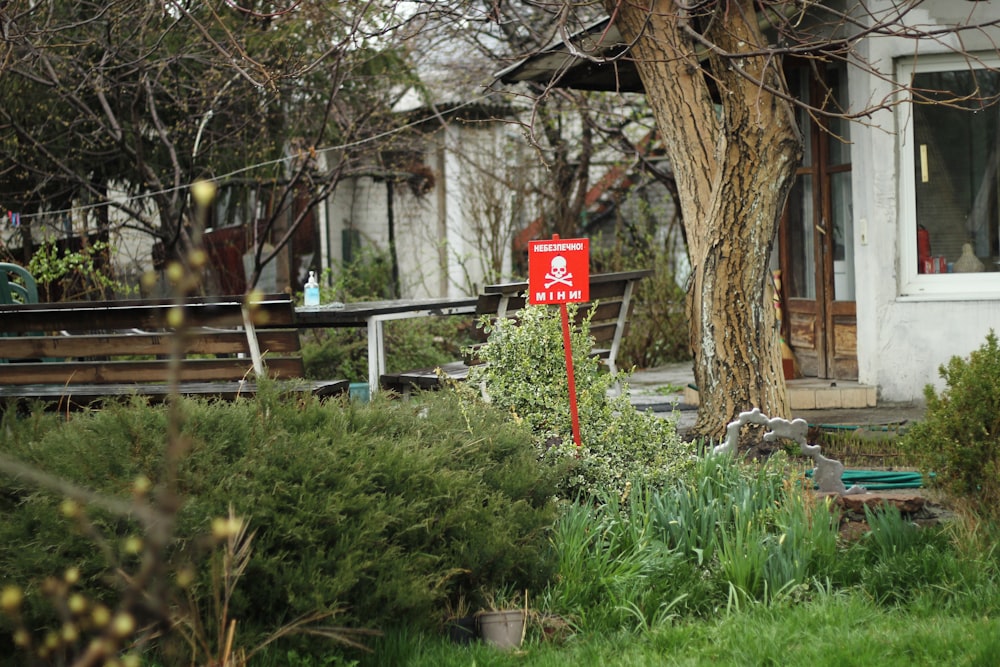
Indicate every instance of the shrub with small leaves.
{"type": "Point", "coordinates": [525, 375]}
{"type": "Point", "coordinates": [959, 438]}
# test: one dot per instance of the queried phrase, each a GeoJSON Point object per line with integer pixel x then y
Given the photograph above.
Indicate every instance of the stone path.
{"type": "Point", "coordinates": [658, 389]}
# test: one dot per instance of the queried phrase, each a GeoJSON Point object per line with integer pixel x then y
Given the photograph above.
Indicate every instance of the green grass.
{"type": "Point", "coordinates": [837, 630]}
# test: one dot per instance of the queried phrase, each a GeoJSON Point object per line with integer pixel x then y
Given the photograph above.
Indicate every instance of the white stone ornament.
{"type": "Point", "coordinates": [827, 473]}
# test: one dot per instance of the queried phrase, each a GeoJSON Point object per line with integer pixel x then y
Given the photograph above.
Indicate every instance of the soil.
{"type": "Point", "coordinates": [924, 507]}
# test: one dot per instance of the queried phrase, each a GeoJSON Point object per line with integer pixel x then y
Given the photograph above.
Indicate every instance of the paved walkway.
{"type": "Point", "coordinates": [659, 389]}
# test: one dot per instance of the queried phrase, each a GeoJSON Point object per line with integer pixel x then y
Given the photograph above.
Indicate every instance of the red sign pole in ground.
{"type": "Point", "coordinates": [574, 413]}
{"type": "Point", "coordinates": [559, 273]}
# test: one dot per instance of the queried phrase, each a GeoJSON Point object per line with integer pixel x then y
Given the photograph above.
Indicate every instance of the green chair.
{"type": "Point", "coordinates": [23, 291]}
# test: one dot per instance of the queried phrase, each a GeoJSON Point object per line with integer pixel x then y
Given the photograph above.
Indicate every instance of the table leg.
{"type": "Point", "coordinates": [376, 354]}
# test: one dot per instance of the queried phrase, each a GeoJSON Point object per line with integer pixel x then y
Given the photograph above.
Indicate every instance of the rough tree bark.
{"type": "Point", "coordinates": [734, 151]}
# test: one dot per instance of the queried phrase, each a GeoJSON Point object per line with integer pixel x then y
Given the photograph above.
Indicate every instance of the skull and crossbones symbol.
{"type": "Point", "coordinates": [558, 273]}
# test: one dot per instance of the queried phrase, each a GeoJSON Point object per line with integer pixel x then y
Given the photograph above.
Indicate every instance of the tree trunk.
{"type": "Point", "coordinates": [734, 167]}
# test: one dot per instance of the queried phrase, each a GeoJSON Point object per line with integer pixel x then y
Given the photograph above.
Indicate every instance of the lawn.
{"type": "Point", "coordinates": [838, 630]}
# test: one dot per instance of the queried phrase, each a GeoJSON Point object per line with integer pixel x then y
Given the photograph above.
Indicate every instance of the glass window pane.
{"type": "Point", "coordinates": [799, 84]}
{"type": "Point", "coordinates": [956, 158]}
{"type": "Point", "coordinates": [802, 281]}
{"type": "Point", "coordinates": [840, 128]}
{"type": "Point", "coordinates": [843, 236]}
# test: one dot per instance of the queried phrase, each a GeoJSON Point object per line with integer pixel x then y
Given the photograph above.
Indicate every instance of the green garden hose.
{"type": "Point", "coordinates": [875, 480]}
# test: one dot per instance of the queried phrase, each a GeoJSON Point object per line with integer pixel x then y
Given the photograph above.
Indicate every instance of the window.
{"type": "Point", "coordinates": [949, 180]}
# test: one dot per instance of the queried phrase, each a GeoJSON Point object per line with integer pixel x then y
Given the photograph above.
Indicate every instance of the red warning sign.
{"type": "Point", "coordinates": [559, 271]}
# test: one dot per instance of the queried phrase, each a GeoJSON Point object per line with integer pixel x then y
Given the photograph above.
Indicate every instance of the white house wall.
{"type": "Point", "coordinates": [362, 204]}
{"type": "Point", "coordinates": [474, 157]}
{"type": "Point", "coordinates": [359, 204]}
{"type": "Point", "coordinates": [903, 340]}
{"type": "Point", "coordinates": [418, 236]}
{"type": "Point", "coordinates": [436, 252]}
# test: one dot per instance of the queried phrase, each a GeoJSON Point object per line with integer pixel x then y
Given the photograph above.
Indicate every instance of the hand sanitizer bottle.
{"type": "Point", "coordinates": [312, 290]}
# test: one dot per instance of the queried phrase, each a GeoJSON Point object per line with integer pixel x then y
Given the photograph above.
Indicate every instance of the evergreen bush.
{"type": "Point", "coordinates": [388, 509]}
{"type": "Point", "coordinates": [959, 438]}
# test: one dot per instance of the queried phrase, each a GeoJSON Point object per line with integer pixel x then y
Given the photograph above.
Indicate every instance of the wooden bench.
{"type": "Point", "coordinates": [75, 354]}
{"type": "Point", "coordinates": [610, 301]}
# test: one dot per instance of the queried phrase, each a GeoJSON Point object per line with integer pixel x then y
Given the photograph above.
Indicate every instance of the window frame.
{"type": "Point", "coordinates": [930, 286]}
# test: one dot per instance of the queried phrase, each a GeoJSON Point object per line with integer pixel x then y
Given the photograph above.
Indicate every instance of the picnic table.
{"type": "Point", "coordinates": [373, 314]}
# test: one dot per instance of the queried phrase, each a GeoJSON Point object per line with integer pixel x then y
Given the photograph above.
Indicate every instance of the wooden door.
{"type": "Point", "coordinates": [817, 232]}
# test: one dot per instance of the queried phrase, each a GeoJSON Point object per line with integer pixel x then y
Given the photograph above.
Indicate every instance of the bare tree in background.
{"type": "Point", "coordinates": [139, 100]}
{"type": "Point", "coordinates": [495, 183]}
{"type": "Point", "coordinates": [567, 129]}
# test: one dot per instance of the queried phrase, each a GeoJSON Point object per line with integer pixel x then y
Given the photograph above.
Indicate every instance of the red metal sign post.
{"type": "Point", "coordinates": [559, 273]}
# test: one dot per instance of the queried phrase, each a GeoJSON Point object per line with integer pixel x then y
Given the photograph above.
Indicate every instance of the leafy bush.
{"type": "Point", "coordinates": [368, 277]}
{"type": "Point", "coordinates": [753, 524]}
{"type": "Point", "coordinates": [616, 571]}
{"type": "Point", "coordinates": [387, 509]}
{"type": "Point", "coordinates": [959, 437]}
{"type": "Point", "coordinates": [726, 534]}
{"type": "Point", "coordinates": [734, 536]}
{"type": "Point", "coordinates": [68, 274]}
{"type": "Point", "coordinates": [525, 376]}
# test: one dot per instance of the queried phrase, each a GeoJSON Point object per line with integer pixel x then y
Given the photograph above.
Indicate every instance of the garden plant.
{"type": "Point", "coordinates": [959, 439]}
{"type": "Point", "coordinates": [378, 512]}
{"type": "Point", "coordinates": [303, 533]}
{"type": "Point", "coordinates": [525, 376]}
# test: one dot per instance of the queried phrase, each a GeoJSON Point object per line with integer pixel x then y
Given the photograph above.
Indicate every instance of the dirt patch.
{"type": "Point", "coordinates": [916, 505]}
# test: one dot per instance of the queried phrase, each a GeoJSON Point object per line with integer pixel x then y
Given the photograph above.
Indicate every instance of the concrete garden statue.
{"type": "Point", "coordinates": [827, 472]}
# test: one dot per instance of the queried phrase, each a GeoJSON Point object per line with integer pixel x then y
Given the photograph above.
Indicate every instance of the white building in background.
{"type": "Point", "coordinates": [450, 215]}
{"type": "Point", "coordinates": [926, 172]}
{"type": "Point", "coordinates": [446, 196]}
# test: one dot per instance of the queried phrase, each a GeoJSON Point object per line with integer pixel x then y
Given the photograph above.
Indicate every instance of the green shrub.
{"type": "Point", "coordinates": [614, 571]}
{"type": "Point", "coordinates": [658, 327]}
{"type": "Point", "coordinates": [368, 277]}
{"type": "Point", "coordinates": [525, 376]}
{"type": "Point", "coordinates": [729, 533]}
{"type": "Point", "coordinates": [750, 525]}
{"type": "Point", "coordinates": [897, 561]}
{"type": "Point", "coordinates": [387, 509]}
{"type": "Point", "coordinates": [736, 536]}
{"type": "Point", "coordinates": [414, 343]}
{"type": "Point", "coordinates": [959, 438]}
{"type": "Point", "coordinates": [76, 275]}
